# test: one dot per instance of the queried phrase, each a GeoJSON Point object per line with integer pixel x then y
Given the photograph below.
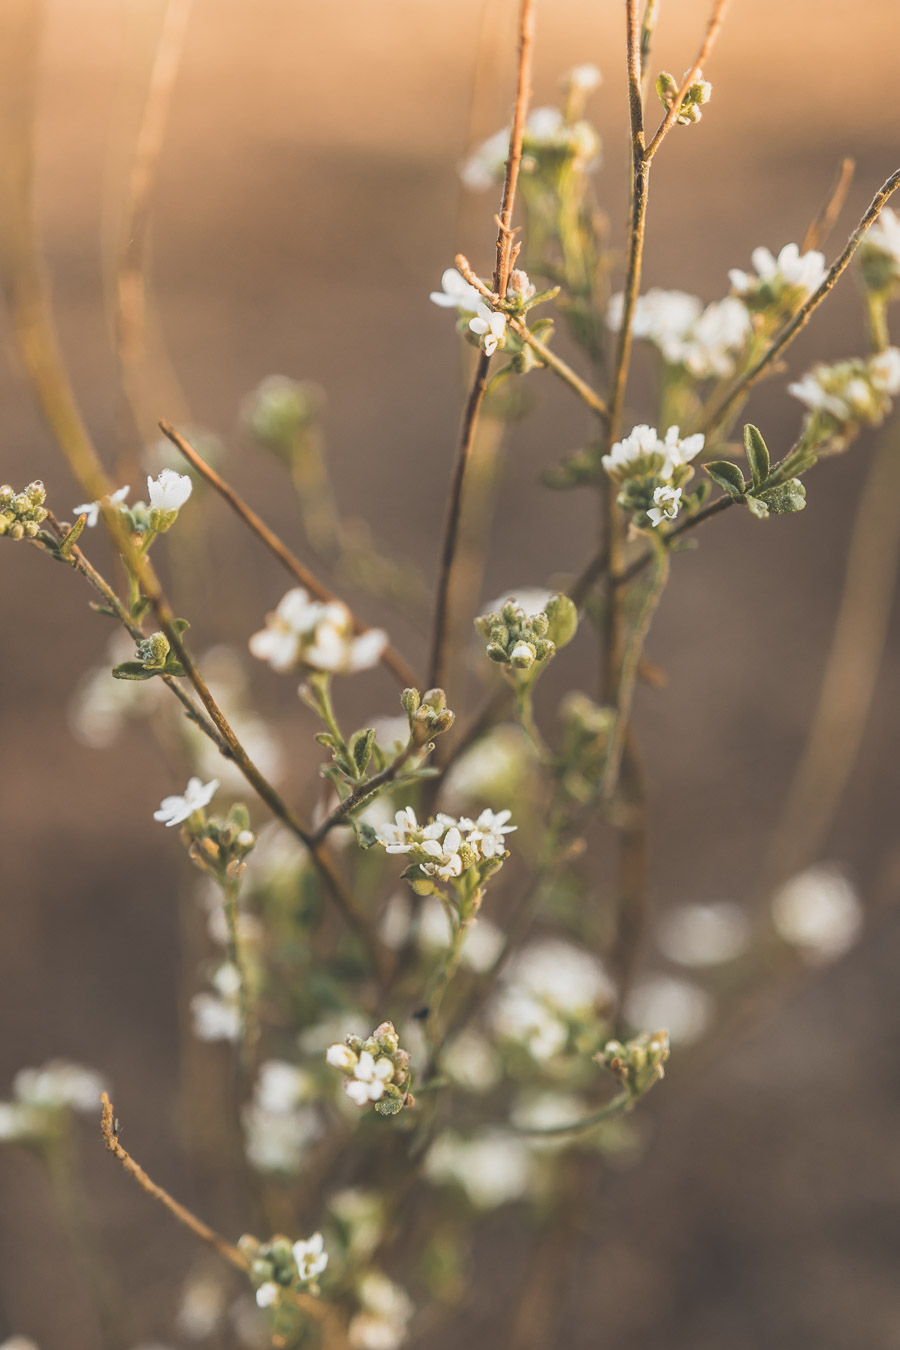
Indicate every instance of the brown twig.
{"type": "Point", "coordinates": [613, 519]}
{"type": "Point", "coordinates": [821, 227]}
{"type": "Point", "coordinates": [549, 358]}
{"type": "Point", "coordinates": [391, 659]}
{"type": "Point", "coordinates": [718, 414]}
{"type": "Point", "coordinates": [312, 1307]}
{"type": "Point", "coordinates": [365, 790]}
{"type": "Point", "coordinates": [712, 32]}
{"type": "Point", "coordinates": [505, 251]}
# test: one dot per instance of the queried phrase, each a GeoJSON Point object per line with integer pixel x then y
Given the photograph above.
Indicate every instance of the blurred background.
{"type": "Point", "coordinates": [306, 201]}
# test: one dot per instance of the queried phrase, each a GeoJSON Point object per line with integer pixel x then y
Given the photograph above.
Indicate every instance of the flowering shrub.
{"type": "Point", "coordinates": [448, 877]}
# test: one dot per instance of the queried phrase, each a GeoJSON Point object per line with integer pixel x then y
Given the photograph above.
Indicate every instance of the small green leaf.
{"type": "Point", "coordinates": [140, 608]}
{"type": "Point", "coordinates": [325, 738]}
{"type": "Point", "coordinates": [133, 670]}
{"type": "Point", "coordinates": [170, 668]}
{"type": "Point", "coordinates": [728, 476]}
{"type": "Point", "coordinates": [757, 454]}
{"type": "Point", "coordinates": [366, 835]}
{"type": "Point", "coordinates": [786, 499]}
{"type": "Point", "coordinates": [180, 626]}
{"type": "Point", "coordinates": [361, 748]}
{"type": "Point", "coordinates": [71, 539]}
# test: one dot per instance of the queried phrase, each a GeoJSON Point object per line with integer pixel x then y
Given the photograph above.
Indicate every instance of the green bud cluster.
{"type": "Point", "coordinates": [22, 513]}
{"type": "Point", "coordinates": [698, 93]}
{"type": "Point", "coordinates": [638, 1063]}
{"type": "Point", "coordinates": [428, 714]}
{"type": "Point", "coordinates": [154, 657]}
{"type": "Point", "coordinates": [521, 640]}
{"type": "Point", "coordinates": [275, 1263]}
{"type": "Point", "coordinates": [220, 847]}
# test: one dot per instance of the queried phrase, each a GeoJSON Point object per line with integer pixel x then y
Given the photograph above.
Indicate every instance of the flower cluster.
{"type": "Point", "coordinates": [303, 633]}
{"type": "Point", "coordinates": [697, 93]}
{"type": "Point", "coordinates": [850, 394]}
{"type": "Point", "coordinates": [41, 1097]}
{"type": "Point", "coordinates": [652, 472]}
{"type": "Point", "coordinates": [448, 847]}
{"type": "Point", "coordinates": [280, 1265]}
{"type": "Point", "coordinates": [550, 143]}
{"type": "Point", "coordinates": [22, 513]}
{"type": "Point", "coordinates": [520, 638]}
{"type": "Point", "coordinates": [879, 253]}
{"type": "Point", "coordinates": [781, 284]}
{"type": "Point", "coordinates": [220, 847]}
{"type": "Point", "coordinates": [705, 342]}
{"type": "Point", "coordinates": [375, 1069]}
{"type": "Point", "coordinates": [549, 992]}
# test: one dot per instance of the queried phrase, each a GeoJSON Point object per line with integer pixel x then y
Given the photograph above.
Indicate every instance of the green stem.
{"type": "Point", "coordinates": [613, 1108]}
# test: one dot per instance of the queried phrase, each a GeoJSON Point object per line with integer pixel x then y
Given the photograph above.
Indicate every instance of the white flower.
{"type": "Point", "coordinates": [544, 124]}
{"type": "Point", "coordinates": [819, 913]}
{"type": "Point", "coordinates": [456, 293]}
{"type": "Point", "coordinates": [19, 1343]}
{"type": "Point", "coordinates": [684, 1009]}
{"type": "Point", "coordinates": [406, 833]}
{"type": "Point", "coordinates": [92, 509]}
{"type": "Point", "coordinates": [472, 1062]}
{"type": "Point", "coordinates": [307, 632]}
{"type": "Point", "coordinates": [278, 1141]}
{"type": "Point", "coordinates": [59, 1084]}
{"type": "Point", "coordinates": [369, 1077]}
{"type": "Point", "coordinates": [791, 270]}
{"type": "Point", "coordinates": [643, 451]}
{"type": "Point", "coordinates": [487, 831]}
{"type": "Point", "coordinates": [341, 1057]}
{"type": "Point", "coordinates": [493, 1168]}
{"type": "Point", "coordinates": [703, 935]}
{"type": "Point", "coordinates": [852, 392]}
{"type": "Point", "coordinates": [446, 862]}
{"type": "Point", "coordinates": [174, 810]}
{"type": "Point", "coordinates": [490, 326]}
{"type": "Point", "coordinates": [169, 490]}
{"type": "Point", "coordinates": [586, 78]}
{"type": "Point", "coordinates": [268, 1294]}
{"type": "Point", "coordinates": [214, 1018]}
{"type": "Point", "coordinates": [665, 504]}
{"type": "Point", "coordinates": [720, 331]}
{"type": "Point", "coordinates": [311, 1257]}
{"type": "Point", "coordinates": [16, 1122]}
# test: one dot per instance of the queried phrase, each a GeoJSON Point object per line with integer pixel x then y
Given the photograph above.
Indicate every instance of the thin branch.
{"type": "Point", "coordinates": [614, 521]}
{"type": "Point", "coordinates": [821, 227]}
{"type": "Point", "coordinates": [633, 899]}
{"type": "Point", "coordinates": [718, 414]}
{"type": "Point", "coordinates": [441, 630]}
{"type": "Point", "coordinates": [391, 659]}
{"type": "Point", "coordinates": [318, 1311]}
{"type": "Point", "coordinates": [364, 791]}
{"type": "Point", "coordinates": [712, 32]}
{"type": "Point", "coordinates": [620, 1103]}
{"type": "Point", "coordinates": [81, 565]}
{"type": "Point", "coordinates": [549, 358]}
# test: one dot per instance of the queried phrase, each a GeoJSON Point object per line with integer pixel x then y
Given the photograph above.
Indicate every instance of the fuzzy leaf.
{"type": "Point", "coordinates": [728, 476]}
{"type": "Point", "coordinates": [133, 670]}
{"type": "Point", "coordinates": [361, 748]}
{"type": "Point", "coordinates": [757, 454]}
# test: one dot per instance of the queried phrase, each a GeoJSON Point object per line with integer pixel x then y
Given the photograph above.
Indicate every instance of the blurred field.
{"type": "Point", "coordinates": [306, 202]}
